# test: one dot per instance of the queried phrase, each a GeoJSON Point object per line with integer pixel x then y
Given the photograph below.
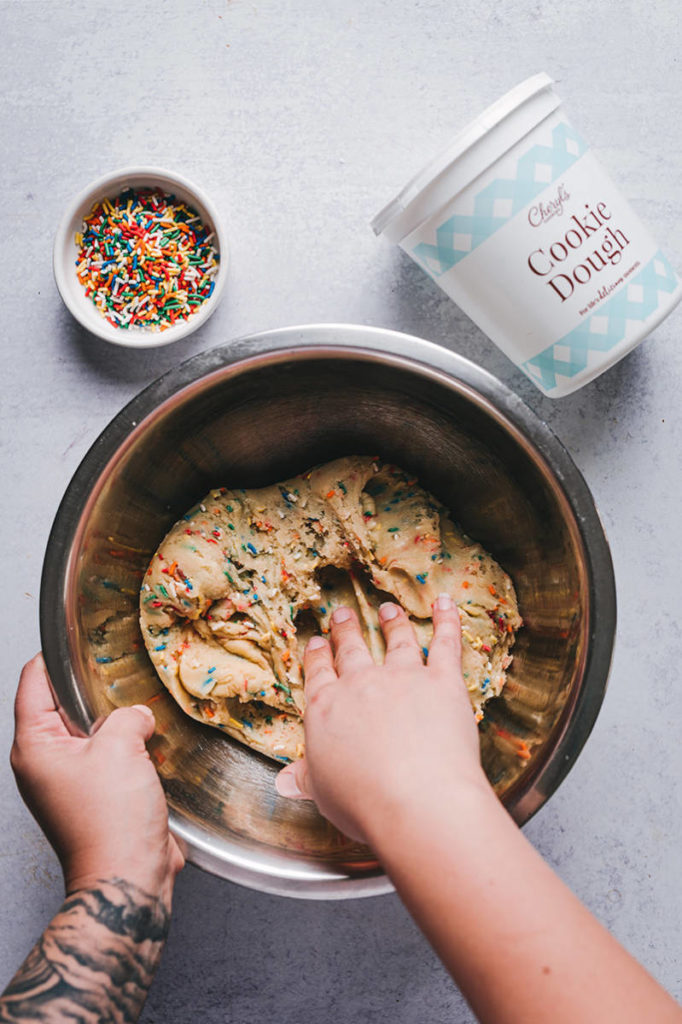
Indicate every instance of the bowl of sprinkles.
{"type": "Point", "coordinates": [140, 257]}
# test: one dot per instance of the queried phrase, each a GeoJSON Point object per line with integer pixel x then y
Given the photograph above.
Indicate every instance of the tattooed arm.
{"type": "Point", "coordinates": [95, 961]}
{"type": "Point", "coordinates": [100, 803]}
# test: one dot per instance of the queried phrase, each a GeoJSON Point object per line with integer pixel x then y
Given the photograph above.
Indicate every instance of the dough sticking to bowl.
{"type": "Point", "coordinates": [245, 578]}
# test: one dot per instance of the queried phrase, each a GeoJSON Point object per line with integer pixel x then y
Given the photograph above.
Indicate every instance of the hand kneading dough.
{"type": "Point", "coordinates": [243, 581]}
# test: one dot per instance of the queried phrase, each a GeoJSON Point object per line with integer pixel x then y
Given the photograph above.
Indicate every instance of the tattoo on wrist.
{"type": "Point", "coordinates": [95, 961]}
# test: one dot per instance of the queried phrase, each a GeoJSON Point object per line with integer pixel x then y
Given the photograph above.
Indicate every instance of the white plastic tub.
{"type": "Point", "coordinates": [518, 222]}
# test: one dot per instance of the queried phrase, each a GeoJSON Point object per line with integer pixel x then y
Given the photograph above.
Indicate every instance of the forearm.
{"type": "Point", "coordinates": [519, 944]}
{"type": "Point", "coordinates": [96, 959]}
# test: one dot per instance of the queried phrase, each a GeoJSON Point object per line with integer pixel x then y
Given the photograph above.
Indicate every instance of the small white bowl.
{"type": "Point", "coordinates": [66, 252]}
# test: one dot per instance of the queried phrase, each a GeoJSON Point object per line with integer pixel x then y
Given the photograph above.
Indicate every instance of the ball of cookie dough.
{"type": "Point", "coordinates": [240, 584]}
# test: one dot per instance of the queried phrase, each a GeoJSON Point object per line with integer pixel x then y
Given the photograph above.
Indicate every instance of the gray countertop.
{"type": "Point", "coordinates": [301, 119]}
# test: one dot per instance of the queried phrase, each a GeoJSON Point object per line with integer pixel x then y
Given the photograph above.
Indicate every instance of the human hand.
{"type": "Point", "coordinates": [392, 759]}
{"type": "Point", "coordinates": [97, 799]}
{"type": "Point", "coordinates": [381, 739]}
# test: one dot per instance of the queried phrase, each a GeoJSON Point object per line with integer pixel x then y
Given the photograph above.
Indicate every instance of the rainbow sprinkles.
{"type": "Point", "coordinates": [146, 259]}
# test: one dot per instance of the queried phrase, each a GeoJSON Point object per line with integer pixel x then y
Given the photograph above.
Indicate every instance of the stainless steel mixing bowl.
{"type": "Point", "coordinates": [256, 411]}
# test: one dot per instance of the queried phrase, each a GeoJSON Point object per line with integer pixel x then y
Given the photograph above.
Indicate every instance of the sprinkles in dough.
{"type": "Point", "coordinates": [245, 578]}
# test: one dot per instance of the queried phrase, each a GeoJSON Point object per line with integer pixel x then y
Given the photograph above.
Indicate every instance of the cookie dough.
{"type": "Point", "coordinates": [245, 578]}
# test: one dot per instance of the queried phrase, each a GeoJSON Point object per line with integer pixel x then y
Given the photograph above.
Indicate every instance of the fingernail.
{"type": "Point", "coordinates": [315, 643]}
{"type": "Point", "coordinates": [388, 611]}
{"type": "Point", "coordinates": [143, 707]}
{"type": "Point", "coordinates": [286, 784]}
{"type": "Point", "coordinates": [341, 615]}
{"type": "Point", "coordinates": [443, 602]}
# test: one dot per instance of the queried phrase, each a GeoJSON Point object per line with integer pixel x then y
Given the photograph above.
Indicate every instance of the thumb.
{"type": "Point", "coordinates": [34, 705]}
{"type": "Point", "coordinates": [293, 781]}
{"type": "Point", "coordinates": [132, 725]}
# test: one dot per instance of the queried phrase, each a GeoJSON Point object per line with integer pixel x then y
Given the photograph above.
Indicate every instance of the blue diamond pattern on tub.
{"type": "Point", "coordinates": [606, 328]}
{"type": "Point", "coordinates": [501, 200]}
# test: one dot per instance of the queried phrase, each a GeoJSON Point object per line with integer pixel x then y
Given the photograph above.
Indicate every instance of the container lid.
{"type": "Point", "coordinates": [474, 149]}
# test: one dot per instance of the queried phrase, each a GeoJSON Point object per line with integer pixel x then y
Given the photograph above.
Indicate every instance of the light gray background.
{"type": "Point", "coordinates": [301, 119]}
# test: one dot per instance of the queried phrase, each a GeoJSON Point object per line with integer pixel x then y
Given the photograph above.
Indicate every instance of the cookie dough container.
{"type": "Point", "coordinates": [519, 223]}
